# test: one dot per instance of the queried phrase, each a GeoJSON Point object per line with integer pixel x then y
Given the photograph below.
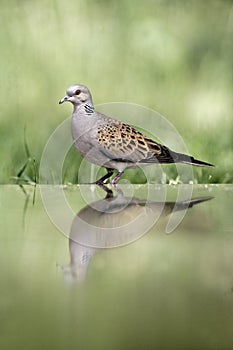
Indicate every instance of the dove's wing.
{"type": "Point", "coordinates": [122, 142]}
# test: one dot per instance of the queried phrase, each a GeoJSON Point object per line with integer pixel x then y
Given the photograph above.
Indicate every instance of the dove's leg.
{"type": "Point", "coordinates": [116, 178]}
{"type": "Point", "coordinates": [105, 177]}
{"type": "Point", "coordinates": [109, 192]}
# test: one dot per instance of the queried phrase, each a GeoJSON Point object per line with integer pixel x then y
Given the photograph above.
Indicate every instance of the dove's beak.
{"type": "Point", "coordinates": [64, 99]}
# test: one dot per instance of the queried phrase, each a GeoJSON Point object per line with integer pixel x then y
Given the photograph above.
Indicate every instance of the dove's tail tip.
{"type": "Point", "coordinates": [183, 158]}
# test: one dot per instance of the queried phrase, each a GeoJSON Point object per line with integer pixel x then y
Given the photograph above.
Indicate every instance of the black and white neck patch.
{"type": "Point", "coordinates": [89, 109]}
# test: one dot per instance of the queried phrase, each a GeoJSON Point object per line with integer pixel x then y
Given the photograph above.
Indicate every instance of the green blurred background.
{"type": "Point", "coordinates": [172, 56]}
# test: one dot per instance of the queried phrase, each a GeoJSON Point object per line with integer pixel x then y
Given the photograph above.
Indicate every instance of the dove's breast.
{"type": "Point", "coordinates": [83, 134]}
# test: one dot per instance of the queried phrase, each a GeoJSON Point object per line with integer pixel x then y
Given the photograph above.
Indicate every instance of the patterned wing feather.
{"type": "Point", "coordinates": [122, 142]}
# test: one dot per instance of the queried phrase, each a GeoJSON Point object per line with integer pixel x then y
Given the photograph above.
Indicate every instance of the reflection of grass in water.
{"type": "Point", "coordinates": [171, 57]}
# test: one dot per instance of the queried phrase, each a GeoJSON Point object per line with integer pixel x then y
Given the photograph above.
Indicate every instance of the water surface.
{"type": "Point", "coordinates": [154, 291]}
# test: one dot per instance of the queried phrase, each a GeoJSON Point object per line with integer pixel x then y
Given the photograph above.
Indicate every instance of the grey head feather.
{"type": "Point", "coordinates": [78, 94]}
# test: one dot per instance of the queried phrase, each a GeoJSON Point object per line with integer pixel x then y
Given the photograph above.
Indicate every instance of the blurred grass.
{"type": "Point", "coordinates": [171, 56]}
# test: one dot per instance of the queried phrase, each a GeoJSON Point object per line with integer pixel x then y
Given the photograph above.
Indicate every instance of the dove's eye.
{"type": "Point", "coordinates": [77, 92]}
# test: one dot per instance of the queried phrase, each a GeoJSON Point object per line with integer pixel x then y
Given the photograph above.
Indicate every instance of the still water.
{"type": "Point", "coordinates": [128, 271]}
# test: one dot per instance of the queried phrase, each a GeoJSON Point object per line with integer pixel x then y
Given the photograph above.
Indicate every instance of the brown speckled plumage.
{"type": "Point", "coordinates": [124, 142]}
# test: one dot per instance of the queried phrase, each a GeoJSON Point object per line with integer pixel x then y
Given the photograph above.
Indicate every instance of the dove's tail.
{"type": "Point", "coordinates": [183, 158]}
{"type": "Point", "coordinates": [166, 156]}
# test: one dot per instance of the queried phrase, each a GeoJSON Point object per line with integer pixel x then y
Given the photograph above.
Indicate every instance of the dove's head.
{"type": "Point", "coordinates": [77, 94]}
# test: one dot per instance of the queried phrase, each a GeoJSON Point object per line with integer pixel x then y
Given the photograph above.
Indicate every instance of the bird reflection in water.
{"type": "Point", "coordinates": [112, 222]}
